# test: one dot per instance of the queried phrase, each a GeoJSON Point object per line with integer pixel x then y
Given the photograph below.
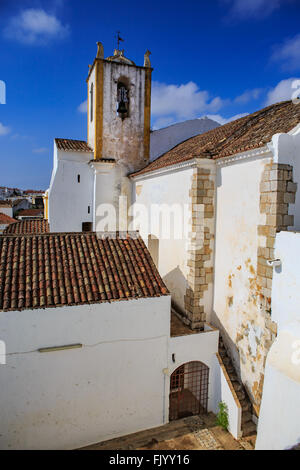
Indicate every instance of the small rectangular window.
{"type": "Point", "coordinates": [89, 209]}
{"type": "Point", "coordinates": [87, 226]}
{"type": "Point", "coordinates": [78, 178]}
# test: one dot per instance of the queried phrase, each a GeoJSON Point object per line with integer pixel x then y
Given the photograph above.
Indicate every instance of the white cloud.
{"type": "Point", "coordinates": [35, 26]}
{"type": "Point", "coordinates": [283, 91]}
{"type": "Point", "coordinates": [82, 108]}
{"type": "Point", "coordinates": [221, 120]}
{"type": "Point", "coordinates": [4, 129]}
{"type": "Point", "coordinates": [288, 54]}
{"type": "Point", "coordinates": [40, 150]}
{"type": "Point", "coordinates": [180, 102]}
{"type": "Point", "coordinates": [248, 95]}
{"type": "Point", "coordinates": [249, 9]}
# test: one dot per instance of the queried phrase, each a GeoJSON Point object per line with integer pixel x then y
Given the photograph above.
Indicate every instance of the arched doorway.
{"type": "Point", "coordinates": [189, 390]}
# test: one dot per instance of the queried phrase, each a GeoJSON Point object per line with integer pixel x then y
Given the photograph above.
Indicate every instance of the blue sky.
{"type": "Point", "coordinates": [221, 58]}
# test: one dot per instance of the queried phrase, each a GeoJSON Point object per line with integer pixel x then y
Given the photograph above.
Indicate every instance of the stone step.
{"type": "Point", "coordinates": [226, 361]}
{"type": "Point", "coordinates": [249, 429]}
{"type": "Point", "coordinates": [246, 417]}
{"type": "Point", "coordinates": [232, 375]}
{"type": "Point", "coordinates": [241, 394]}
{"type": "Point", "coordinates": [246, 405]}
{"type": "Point", "coordinates": [237, 386]}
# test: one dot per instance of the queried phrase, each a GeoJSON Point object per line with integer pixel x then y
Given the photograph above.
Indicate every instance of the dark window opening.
{"type": "Point", "coordinates": [123, 100]}
{"type": "Point", "coordinates": [87, 227]}
{"type": "Point", "coordinates": [89, 209]}
{"type": "Point", "coordinates": [92, 102]}
{"type": "Point", "coordinates": [78, 178]}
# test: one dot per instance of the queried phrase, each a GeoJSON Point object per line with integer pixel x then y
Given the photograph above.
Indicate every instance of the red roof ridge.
{"type": "Point", "coordinates": [246, 133]}
{"type": "Point", "coordinates": [6, 219]}
{"type": "Point", "coordinates": [72, 145]}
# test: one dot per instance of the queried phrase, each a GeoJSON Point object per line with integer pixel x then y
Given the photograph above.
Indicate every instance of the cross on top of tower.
{"type": "Point", "coordinates": [119, 39]}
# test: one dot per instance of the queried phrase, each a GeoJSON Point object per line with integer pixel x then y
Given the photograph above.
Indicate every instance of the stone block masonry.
{"type": "Point", "coordinates": [277, 191]}
{"type": "Point", "coordinates": [201, 245]}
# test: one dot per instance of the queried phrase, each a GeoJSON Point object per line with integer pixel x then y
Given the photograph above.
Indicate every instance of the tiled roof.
{"type": "Point", "coordinates": [73, 145]}
{"type": "Point", "coordinates": [28, 227]}
{"type": "Point", "coordinates": [56, 269]}
{"type": "Point", "coordinates": [5, 203]}
{"type": "Point", "coordinates": [31, 213]}
{"type": "Point", "coordinates": [6, 219]}
{"type": "Point", "coordinates": [33, 191]}
{"type": "Point", "coordinates": [250, 132]}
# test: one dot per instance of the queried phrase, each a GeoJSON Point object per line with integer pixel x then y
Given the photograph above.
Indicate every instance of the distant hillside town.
{"type": "Point", "coordinates": [20, 204]}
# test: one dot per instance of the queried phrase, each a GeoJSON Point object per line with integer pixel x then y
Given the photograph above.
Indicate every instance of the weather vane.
{"type": "Point", "coordinates": [119, 39]}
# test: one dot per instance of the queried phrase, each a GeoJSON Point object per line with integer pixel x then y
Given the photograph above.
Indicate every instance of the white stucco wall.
{"type": "Point", "coordinates": [170, 188]}
{"type": "Point", "coordinates": [236, 309]}
{"type": "Point", "coordinates": [279, 420]}
{"type": "Point", "coordinates": [197, 347]}
{"type": "Point", "coordinates": [162, 140]}
{"type": "Point", "coordinates": [223, 393]}
{"type": "Point", "coordinates": [68, 199]}
{"type": "Point", "coordinates": [7, 210]}
{"type": "Point", "coordinates": [113, 386]}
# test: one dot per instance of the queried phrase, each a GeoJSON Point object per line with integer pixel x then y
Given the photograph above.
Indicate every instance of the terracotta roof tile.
{"type": "Point", "coordinates": [5, 203]}
{"type": "Point", "coordinates": [31, 213]}
{"type": "Point", "coordinates": [73, 145]}
{"type": "Point", "coordinates": [250, 132]}
{"type": "Point", "coordinates": [27, 227]}
{"type": "Point", "coordinates": [6, 219]}
{"type": "Point", "coordinates": [56, 269]}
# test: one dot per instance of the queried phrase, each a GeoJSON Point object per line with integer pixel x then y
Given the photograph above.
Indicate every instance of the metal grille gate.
{"type": "Point", "coordinates": [189, 390]}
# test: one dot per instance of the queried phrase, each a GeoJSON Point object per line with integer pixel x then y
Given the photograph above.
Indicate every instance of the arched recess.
{"type": "Point", "coordinates": [123, 101]}
{"type": "Point", "coordinates": [189, 390]}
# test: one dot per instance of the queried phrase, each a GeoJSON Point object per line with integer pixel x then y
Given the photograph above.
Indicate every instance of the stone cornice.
{"type": "Point", "coordinates": [167, 169]}
{"type": "Point", "coordinates": [258, 152]}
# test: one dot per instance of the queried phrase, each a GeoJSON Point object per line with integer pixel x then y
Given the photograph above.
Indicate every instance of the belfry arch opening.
{"type": "Point", "coordinates": [123, 98]}
{"type": "Point", "coordinates": [189, 390]}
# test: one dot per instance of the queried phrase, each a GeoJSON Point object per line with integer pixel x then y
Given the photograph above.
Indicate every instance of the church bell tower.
{"type": "Point", "coordinates": [119, 106]}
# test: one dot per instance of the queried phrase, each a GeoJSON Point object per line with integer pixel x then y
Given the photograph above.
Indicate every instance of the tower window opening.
{"type": "Point", "coordinates": [123, 100]}
{"type": "Point", "coordinates": [78, 178]}
{"type": "Point", "coordinates": [89, 209]}
{"type": "Point", "coordinates": [92, 102]}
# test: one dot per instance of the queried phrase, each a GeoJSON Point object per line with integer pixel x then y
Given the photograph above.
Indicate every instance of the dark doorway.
{"type": "Point", "coordinates": [189, 390]}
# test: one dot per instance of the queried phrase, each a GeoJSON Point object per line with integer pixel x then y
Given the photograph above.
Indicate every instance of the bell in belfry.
{"type": "Point", "coordinates": [122, 108]}
{"type": "Point", "coordinates": [122, 100]}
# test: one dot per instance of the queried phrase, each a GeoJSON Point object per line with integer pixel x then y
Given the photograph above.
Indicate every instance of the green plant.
{"type": "Point", "coordinates": [222, 416]}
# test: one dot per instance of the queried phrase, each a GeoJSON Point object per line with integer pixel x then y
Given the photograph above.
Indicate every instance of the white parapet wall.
{"type": "Point", "coordinates": [279, 419]}
{"type": "Point", "coordinates": [225, 393]}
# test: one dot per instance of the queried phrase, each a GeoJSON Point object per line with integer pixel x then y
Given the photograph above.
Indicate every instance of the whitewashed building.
{"type": "Point", "coordinates": [99, 349]}
{"type": "Point", "coordinates": [223, 195]}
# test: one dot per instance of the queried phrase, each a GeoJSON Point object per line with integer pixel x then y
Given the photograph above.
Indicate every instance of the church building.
{"type": "Point", "coordinates": [148, 292]}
